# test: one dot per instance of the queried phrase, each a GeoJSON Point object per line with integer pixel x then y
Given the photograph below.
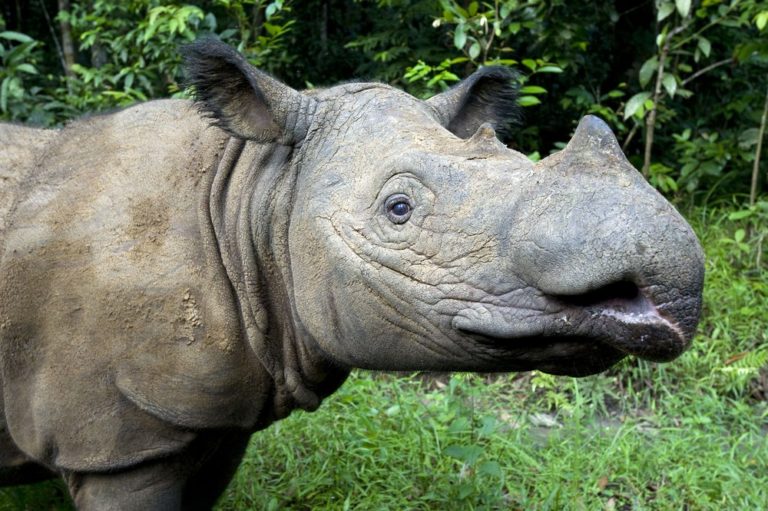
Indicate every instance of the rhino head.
{"type": "Point", "coordinates": [408, 237]}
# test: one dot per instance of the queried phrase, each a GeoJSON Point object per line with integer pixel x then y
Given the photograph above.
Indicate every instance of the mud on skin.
{"type": "Point", "coordinates": [177, 276]}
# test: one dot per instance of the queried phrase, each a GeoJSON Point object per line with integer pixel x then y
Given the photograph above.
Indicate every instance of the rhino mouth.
{"type": "Point", "coordinates": [586, 333]}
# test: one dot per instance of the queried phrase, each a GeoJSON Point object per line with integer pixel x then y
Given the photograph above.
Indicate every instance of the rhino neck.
{"type": "Point", "coordinates": [251, 199]}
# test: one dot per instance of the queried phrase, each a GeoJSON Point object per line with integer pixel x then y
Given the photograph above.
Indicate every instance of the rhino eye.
{"type": "Point", "coordinates": [398, 208]}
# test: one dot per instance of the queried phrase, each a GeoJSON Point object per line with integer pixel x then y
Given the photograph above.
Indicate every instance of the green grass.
{"type": "Point", "coordinates": [692, 434]}
{"type": "Point", "coordinates": [386, 443]}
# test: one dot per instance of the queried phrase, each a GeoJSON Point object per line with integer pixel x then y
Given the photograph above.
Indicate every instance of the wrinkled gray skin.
{"type": "Point", "coordinates": [167, 287]}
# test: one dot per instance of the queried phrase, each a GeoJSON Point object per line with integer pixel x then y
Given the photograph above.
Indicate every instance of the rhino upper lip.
{"type": "Point", "coordinates": [619, 316]}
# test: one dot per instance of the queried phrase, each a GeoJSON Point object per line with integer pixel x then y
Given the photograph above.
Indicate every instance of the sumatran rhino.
{"type": "Point", "coordinates": [175, 277]}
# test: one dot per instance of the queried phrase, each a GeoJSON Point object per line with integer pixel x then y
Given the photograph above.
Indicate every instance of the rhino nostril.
{"type": "Point", "coordinates": [623, 296]}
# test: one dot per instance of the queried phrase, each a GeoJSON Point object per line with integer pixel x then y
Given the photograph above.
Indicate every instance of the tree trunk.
{"type": "Point", "coordinates": [67, 47]}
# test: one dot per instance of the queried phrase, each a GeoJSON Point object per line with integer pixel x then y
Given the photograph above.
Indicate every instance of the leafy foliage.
{"type": "Point", "coordinates": [680, 81]}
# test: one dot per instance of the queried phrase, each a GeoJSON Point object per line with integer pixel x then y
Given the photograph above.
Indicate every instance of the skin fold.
{"type": "Point", "coordinates": [176, 276]}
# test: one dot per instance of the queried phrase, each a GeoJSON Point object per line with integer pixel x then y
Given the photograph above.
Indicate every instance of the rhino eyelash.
{"type": "Point", "coordinates": [398, 208]}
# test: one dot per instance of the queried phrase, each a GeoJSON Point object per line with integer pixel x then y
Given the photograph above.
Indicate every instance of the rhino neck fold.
{"type": "Point", "coordinates": [250, 205]}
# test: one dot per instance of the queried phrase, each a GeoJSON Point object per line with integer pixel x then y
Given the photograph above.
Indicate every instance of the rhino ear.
{"type": "Point", "coordinates": [245, 102]}
{"type": "Point", "coordinates": [487, 96]}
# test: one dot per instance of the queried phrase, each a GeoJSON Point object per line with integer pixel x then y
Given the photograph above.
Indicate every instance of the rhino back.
{"type": "Point", "coordinates": [112, 286]}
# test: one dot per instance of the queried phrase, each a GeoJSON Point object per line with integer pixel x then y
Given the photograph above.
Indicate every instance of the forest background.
{"type": "Point", "coordinates": [683, 84]}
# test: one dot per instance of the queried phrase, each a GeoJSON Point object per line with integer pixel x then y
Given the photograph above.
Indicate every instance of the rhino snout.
{"type": "Point", "coordinates": [611, 268]}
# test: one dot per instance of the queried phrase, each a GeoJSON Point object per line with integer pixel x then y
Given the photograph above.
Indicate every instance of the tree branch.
{"type": "Point", "coordinates": [650, 120]}
{"type": "Point", "coordinates": [758, 153]}
{"type": "Point", "coordinates": [630, 136]}
{"type": "Point", "coordinates": [706, 70]}
{"type": "Point", "coordinates": [53, 35]}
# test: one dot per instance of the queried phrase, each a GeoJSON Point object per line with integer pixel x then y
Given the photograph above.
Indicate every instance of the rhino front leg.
{"type": "Point", "coordinates": [192, 480]}
{"type": "Point", "coordinates": [152, 487]}
{"type": "Point", "coordinates": [207, 484]}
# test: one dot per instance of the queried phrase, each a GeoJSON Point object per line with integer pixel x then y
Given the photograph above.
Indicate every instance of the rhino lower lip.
{"type": "Point", "coordinates": [645, 334]}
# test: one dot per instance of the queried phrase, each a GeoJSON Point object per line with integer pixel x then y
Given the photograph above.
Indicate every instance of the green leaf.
{"type": "Point", "coordinates": [488, 427]}
{"type": "Point", "coordinates": [533, 89]}
{"type": "Point", "coordinates": [271, 29]}
{"type": "Point", "coordinates": [530, 64]}
{"type": "Point", "coordinates": [270, 10]}
{"type": "Point", "coordinates": [490, 468]}
{"type": "Point", "coordinates": [660, 39]}
{"type": "Point", "coordinates": [459, 37]}
{"type": "Point", "coordinates": [16, 36]}
{"type": "Point", "coordinates": [704, 46]}
{"type": "Point", "coordinates": [665, 9]}
{"type": "Point", "coordinates": [635, 103]}
{"type": "Point", "coordinates": [466, 453]}
{"type": "Point", "coordinates": [474, 50]}
{"type": "Point", "coordinates": [472, 9]}
{"type": "Point", "coordinates": [670, 84]}
{"type": "Point", "coordinates": [4, 94]}
{"type": "Point", "coordinates": [761, 19]}
{"type": "Point", "coordinates": [550, 69]}
{"type": "Point", "coordinates": [27, 68]}
{"type": "Point", "coordinates": [740, 215]}
{"type": "Point", "coordinates": [739, 235]}
{"type": "Point", "coordinates": [683, 7]}
{"type": "Point", "coordinates": [528, 101]}
{"type": "Point", "coordinates": [647, 69]}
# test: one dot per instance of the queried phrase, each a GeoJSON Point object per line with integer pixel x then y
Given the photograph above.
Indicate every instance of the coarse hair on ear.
{"type": "Point", "coordinates": [240, 99]}
{"type": "Point", "coordinates": [489, 95]}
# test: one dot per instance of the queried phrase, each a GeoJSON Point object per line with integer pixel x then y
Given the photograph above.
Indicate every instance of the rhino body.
{"type": "Point", "coordinates": [169, 286]}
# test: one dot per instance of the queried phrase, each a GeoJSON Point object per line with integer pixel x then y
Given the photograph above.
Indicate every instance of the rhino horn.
{"type": "Point", "coordinates": [488, 95]}
{"type": "Point", "coordinates": [243, 101]}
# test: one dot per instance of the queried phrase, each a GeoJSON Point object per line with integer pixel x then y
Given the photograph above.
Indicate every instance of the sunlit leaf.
{"type": "Point", "coordinates": [549, 69]}
{"type": "Point", "coordinates": [665, 9]}
{"type": "Point", "coordinates": [27, 68]}
{"type": "Point", "coordinates": [530, 64]}
{"type": "Point", "coordinates": [704, 46]}
{"type": "Point", "coordinates": [740, 215]}
{"type": "Point", "coordinates": [635, 103]}
{"type": "Point", "coordinates": [15, 36]}
{"type": "Point", "coordinates": [647, 69]}
{"type": "Point", "coordinates": [761, 19]}
{"type": "Point", "coordinates": [528, 101]}
{"type": "Point", "coordinates": [683, 7]}
{"type": "Point", "coordinates": [474, 50]}
{"type": "Point", "coordinates": [670, 84]}
{"type": "Point", "coordinates": [533, 89]}
{"type": "Point", "coordinates": [459, 37]}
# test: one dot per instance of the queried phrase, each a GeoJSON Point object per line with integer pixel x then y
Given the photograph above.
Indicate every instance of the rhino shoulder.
{"type": "Point", "coordinates": [20, 148]}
